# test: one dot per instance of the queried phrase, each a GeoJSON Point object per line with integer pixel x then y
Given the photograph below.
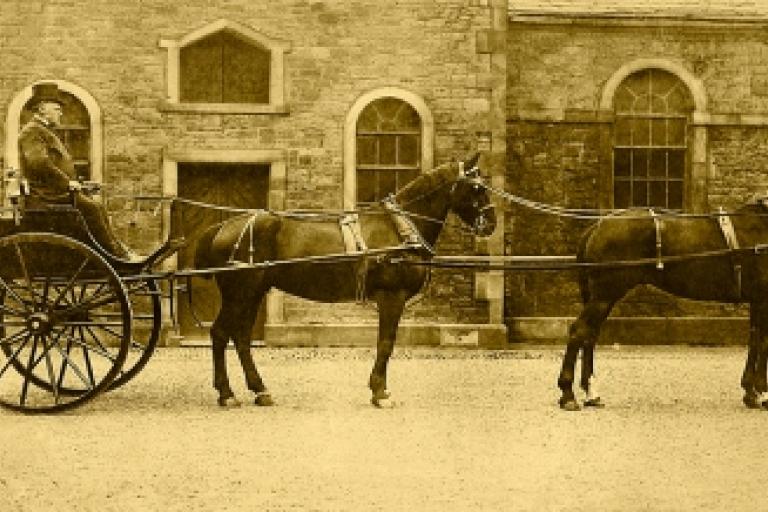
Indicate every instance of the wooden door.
{"type": "Point", "coordinates": [231, 184]}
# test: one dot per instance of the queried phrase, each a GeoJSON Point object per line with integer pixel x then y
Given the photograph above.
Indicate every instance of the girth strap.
{"type": "Point", "coordinates": [354, 243]}
{"type": "Point", "coordinates": [732, 241]}
{"type": "Point", "coordinates": [726, 226]}
{"type": "Point", "coordinates": [658, 224]}
{"type": "Point", "coordinates": [351, 233]}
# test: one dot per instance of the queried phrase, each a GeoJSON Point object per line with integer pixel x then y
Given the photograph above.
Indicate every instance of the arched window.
{"type": "Point", "coordinates": [388, 148]}
{"type": "Point", "coordinates": [652, 110]}
{"type": "Point", "coordinates": [75, 131]}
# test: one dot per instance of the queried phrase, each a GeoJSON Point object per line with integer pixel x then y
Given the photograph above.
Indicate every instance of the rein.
{"type": "Point", "coordinates": [598, 214]}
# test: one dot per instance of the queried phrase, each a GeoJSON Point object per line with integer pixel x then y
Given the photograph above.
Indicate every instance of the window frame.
{"type": "Point", "coordinates": [695, 198]}
{"type": "Point", "coordinates": [378, 168]}
{"type": "Point", "coordinates": [96, 143]}
{"type": "Point", "coordinates": [277, 86]}
{"type": "Point", "coordinates": [639, 141]}
{"type": "Point", "coordinates": [427, 147]}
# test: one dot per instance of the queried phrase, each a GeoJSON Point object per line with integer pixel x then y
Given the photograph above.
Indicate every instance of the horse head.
{"type": "Point", "coordinates": [470, 198]}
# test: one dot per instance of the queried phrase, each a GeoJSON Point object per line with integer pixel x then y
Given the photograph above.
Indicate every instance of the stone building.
{"type": "Point", "coordinates": [259, 104]}
{"type": "Point", "coordinates": [270, 103]}
{"type": "Point", "coordinates": [613, 104]}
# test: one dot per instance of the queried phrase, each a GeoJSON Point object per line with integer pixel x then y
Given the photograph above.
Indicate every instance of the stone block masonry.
{"type": "Point", "coordinates": [450, 53]}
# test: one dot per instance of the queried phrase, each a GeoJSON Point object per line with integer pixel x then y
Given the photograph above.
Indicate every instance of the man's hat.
{"type": "Point", "coordinates": [46, 91]}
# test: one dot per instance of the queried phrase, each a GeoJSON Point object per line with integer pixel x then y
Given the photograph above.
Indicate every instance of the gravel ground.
{"type": "Point", "coordinates": [470, 430]}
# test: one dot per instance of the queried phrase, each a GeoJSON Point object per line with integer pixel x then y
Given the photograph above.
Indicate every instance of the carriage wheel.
{"type": "Point", "coordinates": [65, 323]}
{"type": "Point", "coordinates": [145, 329]}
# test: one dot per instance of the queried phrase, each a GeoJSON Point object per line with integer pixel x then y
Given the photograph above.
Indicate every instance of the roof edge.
{"type": "Point", "coordinates": [599, 17]}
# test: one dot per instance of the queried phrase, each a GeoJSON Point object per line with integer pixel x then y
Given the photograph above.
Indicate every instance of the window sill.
{"type": "Point", "coordinates": [223, 108]}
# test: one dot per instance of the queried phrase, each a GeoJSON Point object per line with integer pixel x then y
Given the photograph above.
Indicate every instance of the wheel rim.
{"type": "Point", "coordinates": [144, 296]}
{"type": "Point", "coordinates": [65, 326]}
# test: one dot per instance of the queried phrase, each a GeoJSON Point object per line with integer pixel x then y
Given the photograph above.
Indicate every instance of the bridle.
{"type": "Point", "coordinates": [471, 176]}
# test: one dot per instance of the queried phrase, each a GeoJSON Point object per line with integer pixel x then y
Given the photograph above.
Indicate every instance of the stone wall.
{"type": "Point", "coordinates": [449, 53]}
{"type": "Point", "coordinates": [559, 144]}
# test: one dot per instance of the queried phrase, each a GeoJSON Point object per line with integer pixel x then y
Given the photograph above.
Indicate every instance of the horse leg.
{"type": "Point", "coordinates": [588, 374]}
{"type": "Point", "coordinates": [748, 378]}
{"type": "Point", "coordinates": [242, 340]}
{"type": "Point", "coordinates": [585, 329]}
{"type": "Point", "coordinates": [219, 339]}
{"type": "Point", "coordinates": [390, 305]}
{"type": "Point", "coordinates": [760, 377]}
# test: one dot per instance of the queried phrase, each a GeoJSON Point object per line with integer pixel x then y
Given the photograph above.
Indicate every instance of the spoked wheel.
{"type": "Point", "coordinates": [144, 295]}
{"type": "Point", "coordinates": [65, 323]}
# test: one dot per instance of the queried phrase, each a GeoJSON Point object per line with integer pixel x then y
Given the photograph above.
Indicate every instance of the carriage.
{"type": "Point", "coordinates": [76, 321]}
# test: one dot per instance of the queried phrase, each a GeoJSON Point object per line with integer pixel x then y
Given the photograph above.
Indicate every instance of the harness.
{"type": "Point", "coordinates": [354, 243]}
{"type": "Point", "coordinates": [732, 241]}
{"type": "Point", "coordinates": [409, 234]}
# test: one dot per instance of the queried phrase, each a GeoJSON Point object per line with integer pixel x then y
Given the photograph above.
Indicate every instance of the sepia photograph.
{"type": "Point", "coordinates": [383, 255]}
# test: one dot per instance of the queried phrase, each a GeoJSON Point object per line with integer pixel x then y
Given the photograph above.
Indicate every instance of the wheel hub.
{"type": "Point", "coordinates": [39, 323]}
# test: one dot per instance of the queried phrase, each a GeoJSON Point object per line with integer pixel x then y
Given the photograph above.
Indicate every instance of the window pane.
{"type": "Point", "coordinates": [658, 167]}
{"type": "Point", "coordinates": [680, 99]}
{"type": "Point", "coordinates": [639, 162]}
{"type": "Point", "coordinates": [369, 119]}
{"type": "Point", "coordinates": [366, 149]}
{"type": "Point", "coordinates": [387, 183]}
{"type": "Point", "coordinates": [658, 190]}
{"type": "Point", "coordinates": [623, 131]}
{"type": "Point", "coordinates": [623, 100]}
{"type": "Point", "coordinates": [675, 195]}
{"type": "Point", "coordinates": [658, 132]}
{"type": "Point", "coordinates": [388, 108]}
{"type": "Point", "coordinates": [200, 64]}
{"type": "Point", "coordinates": [407, 118]}
{"type": "Point", "coordinates": [658, 104]}
{"type": "Point", "coordinates": [408, 150]}
{"type": "Point", "coordinates": [677, 132]}
{"type": "Point", "coordinates": [677, 164]}
{"type": "Point", "coordinates": [621, 194]}
{"type": "Point", "coordinates": [621, 162]}
{"type": "Point", "coordinates": [641, 129]}
{"type": "Point", "coordinates": [387, 149]}
{"type": "Point", "coordinates": [245, 71]}
{"type": "Point", "coordinates": [641, 104]}
{"type": "Point", "coordinates": [366, 186]}
{"type": "Point", "coordinates": [640, 193]}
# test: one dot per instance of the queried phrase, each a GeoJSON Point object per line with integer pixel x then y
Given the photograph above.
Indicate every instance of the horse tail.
{"type": "Point", "coordinates": [581, 254]}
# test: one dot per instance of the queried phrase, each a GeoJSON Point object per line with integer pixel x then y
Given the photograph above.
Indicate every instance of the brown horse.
{"type": "Point", "coordinates": [297, 238]}
{"type": "Point", "coordinates": [687, 256]}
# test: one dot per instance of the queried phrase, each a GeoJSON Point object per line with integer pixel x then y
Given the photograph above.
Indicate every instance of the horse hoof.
{"type": "Point", "coordinates": [752, 402]}
{"type": "Point", "coordinates": [569, 404]}
{"type": "Point", "coordinates": [264, 400]}
{"type": "Point", "coordinates": [381, 400]}
{"type": "Point", "coordinates": [229, 402]}
{"type": "Point", "coordinates": [596, 403]}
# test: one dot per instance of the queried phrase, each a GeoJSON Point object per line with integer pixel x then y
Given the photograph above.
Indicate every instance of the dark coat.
{"type": "Point", "coordinates": [46, 163]}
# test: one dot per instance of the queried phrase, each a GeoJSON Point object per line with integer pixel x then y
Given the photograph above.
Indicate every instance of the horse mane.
{"type": "Point", "coordinates": [426, 182]}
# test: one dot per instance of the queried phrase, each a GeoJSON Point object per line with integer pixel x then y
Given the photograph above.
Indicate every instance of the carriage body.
{"type": "Point", "coordinates": [74, 320]}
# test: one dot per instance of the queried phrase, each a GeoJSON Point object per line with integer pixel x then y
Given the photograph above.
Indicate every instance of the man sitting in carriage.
{"type": "Point", "coordinates": [50, 171]}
